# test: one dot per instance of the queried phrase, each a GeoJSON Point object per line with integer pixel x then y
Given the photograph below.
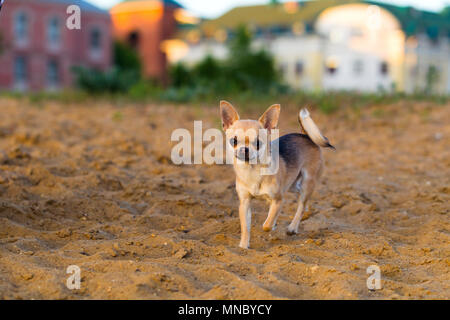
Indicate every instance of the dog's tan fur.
{"type": "Point", "coordinates": [300, 165]}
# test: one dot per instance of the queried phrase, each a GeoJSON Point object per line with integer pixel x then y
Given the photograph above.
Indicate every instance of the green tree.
{"type": "Point", "coordinates": [125, 57]}
{"type": "Point", "coordinates": [180, 76]}
{"type": "Point", "coordinates": [209, 68]}
{"type": "Point", "coordinates": [245, 69]}
{"type": "Point", "coordinates": [125, 73]}
{"type": "Point", "coordinates": [250, 69]}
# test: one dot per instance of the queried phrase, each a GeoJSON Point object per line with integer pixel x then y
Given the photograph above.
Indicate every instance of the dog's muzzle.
{"type": "Point", "coordinates": [244, 154]}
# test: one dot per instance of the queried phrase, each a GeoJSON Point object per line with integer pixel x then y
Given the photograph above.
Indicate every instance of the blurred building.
{"type": "Point", "coordinates": [145, 25]}
{"type": "Point", "coordinates": [38, 51]}
{"type": "Point", "coordinates": [336, 45]}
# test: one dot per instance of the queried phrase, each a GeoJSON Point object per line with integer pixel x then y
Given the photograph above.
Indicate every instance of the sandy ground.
{"type": "Point", "coordinates": [94, 186]}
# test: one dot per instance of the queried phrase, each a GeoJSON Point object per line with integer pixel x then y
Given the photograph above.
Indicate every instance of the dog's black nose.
{"type": "Point", "coordinates": [244, 151]}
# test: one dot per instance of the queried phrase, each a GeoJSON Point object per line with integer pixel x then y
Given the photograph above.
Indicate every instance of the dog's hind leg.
{"type": "Point", "coordinates": [306, 189]}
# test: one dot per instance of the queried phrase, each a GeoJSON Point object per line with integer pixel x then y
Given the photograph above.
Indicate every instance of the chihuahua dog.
{"type": "Point", "coordinates": [299, 157]}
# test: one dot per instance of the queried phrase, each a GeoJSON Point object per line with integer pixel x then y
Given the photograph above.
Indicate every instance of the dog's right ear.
{"type": "Point", "coordinates": [228, 114]}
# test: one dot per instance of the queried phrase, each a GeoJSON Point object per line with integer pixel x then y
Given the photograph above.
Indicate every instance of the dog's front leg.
{"type": "Point", "coordinates": [245, 216]}
{"type": "Point", "coordinates": [275, 207]}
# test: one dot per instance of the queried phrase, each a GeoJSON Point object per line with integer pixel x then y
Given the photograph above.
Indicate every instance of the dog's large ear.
{"type": "Point", "coordinates": [269, 119]}
{"type": "Point", "coordinates": [228, 114]}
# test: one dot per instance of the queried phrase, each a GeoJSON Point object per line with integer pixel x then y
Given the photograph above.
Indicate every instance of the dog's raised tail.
{"type": "Point", "coordinates": [311, 129]}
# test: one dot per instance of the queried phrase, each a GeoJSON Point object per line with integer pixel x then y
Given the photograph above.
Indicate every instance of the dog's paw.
{"type": "Point", "coordinates": [267, 227]}
{"type": "Point", "coordinates": [243, 245]}
{"type": "Point", "coordinates": [291, 231]}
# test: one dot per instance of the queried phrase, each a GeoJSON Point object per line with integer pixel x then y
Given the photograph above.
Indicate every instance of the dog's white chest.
{"type": "Point", "coordinates": [261, 189]}
{"type": "Point", "coordinates": [255, 183]}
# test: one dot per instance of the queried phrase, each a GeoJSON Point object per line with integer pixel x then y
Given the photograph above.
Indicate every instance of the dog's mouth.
{"type": "Point", "coordinates": [244, 157]}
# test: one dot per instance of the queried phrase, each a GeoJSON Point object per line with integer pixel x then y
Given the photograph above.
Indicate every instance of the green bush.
{"type": "Point", "coordinates": [249, 69]}
{"type": "Point", "coordinates": [144, 90]}
{"type": "Point", "coordinates": [125, 57]}
{"type": "Point", "coordinates": [244, 70]}
{"type": "Point", "coordinates": [248, 77]}
{"type": "Point", "coordinates": [124, 74]}
{"type": "Point", "coordinates": [208, 69]}
{"type": "Point", "coordinates": [111, 81]}
{"type": "Point", "coordinates": [180, 76]}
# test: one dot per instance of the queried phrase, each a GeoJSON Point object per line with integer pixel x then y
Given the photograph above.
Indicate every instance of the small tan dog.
{"type": "Point", "coordinates": [300, 164]}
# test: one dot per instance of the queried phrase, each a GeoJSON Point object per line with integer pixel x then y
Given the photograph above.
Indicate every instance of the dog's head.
{"type": "Point", "coordinates": [248, 138]}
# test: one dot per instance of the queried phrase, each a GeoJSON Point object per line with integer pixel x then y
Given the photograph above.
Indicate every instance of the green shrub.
{"type": "Point", "coordinates": [125, 57]}
{"type": "Point", "coordinates": [249, 69]}
{"type": "Point", "coordinates": [245, 70]}
{"type": "Point", "coordinates": [144, 90]}
{"type": "Point", "coordinates": [111, 81]}
{"type": "Point", "coordinates": [208, 69]}
{"type": "Point", "coordinates": [125, 73]}
{"type": "Point", "coordinates": [180, 76]}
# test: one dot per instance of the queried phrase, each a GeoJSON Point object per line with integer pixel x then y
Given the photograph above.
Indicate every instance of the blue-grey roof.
{"type": "Point", "coordinates": [173, 3]}
{"type": "Point", "coordinates": [84, 5]}
{"type": "Point", "coordinates": [166, 2]}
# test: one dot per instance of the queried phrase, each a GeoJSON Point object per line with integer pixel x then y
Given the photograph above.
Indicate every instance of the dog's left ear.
{"type": "Point", "coordinates": [269, 119]}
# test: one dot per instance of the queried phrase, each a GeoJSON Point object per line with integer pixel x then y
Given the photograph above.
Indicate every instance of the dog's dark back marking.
{"type": "Point", "coordinates": [289, 147]}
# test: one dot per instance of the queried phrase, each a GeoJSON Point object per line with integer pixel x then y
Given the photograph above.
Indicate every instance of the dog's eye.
{"type": "Point", "coordinates": [258, 143]}
{"type": "Point", "coordinates": [234, 141]}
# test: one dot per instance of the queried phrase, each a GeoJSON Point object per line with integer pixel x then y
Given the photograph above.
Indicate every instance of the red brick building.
{"type": "Point", "coordinates": [38, 50]}
{"type": "Point", "coordinates": [145, 25]}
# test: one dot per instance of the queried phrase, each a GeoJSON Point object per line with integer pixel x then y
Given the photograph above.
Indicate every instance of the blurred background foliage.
{"type": "Point", "coordinates": [244, 71]}
{"type": "Point", "coordinates": [124, 74]}
{"type": "Point", "coordinates": [247, 76]}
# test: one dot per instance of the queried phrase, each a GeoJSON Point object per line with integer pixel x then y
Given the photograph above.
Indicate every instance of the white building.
{"type": "Point", "coordinates": [358, 45]}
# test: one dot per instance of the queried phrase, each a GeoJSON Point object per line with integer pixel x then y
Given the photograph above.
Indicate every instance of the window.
{"type": "Point", "coordinates": [283, 69]}
{"type": "Point", "coordinates": [384, 68]}
{"type": "Point", "coordinates": [2, 44]}
{"type": "Point", "coordinates": [21, 27]}
{"type": "Point", "coordinates": [95, 40]}
{"type": "Point", "coordinates": [54, 32]}
{"type": "Point", "coordinates": [299, 68]}
{"type": "Point", "coordinates": [358, 67]}
{"type": "Point", "coordinates": [52, 73]}
{"type": "Point", "coordinates": [432, 79]}
{"type": "Point", "coordinates": [133, 39]}
{"type": "Point", "coordinates": [331, 65]}
{"type": "Point", "coordinates": [20, 70]}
